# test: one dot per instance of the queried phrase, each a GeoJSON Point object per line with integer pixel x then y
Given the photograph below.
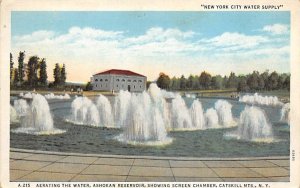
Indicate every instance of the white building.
{"type": "Point", "coordinates": [116, 80]}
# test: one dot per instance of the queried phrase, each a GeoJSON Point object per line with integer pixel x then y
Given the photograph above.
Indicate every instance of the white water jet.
{"type": "Point", "coordinates": [144, 123]}
{"type": "Point", "coordinates": [137, 127]}
{"type": "Point", "coordinates": [84, 112]}
{"type": "Point", "coordinates": [167, 94]}
{"type": "Point", "coordinates": [188, 95]}
{"type": "Point", "coordinates": [253, 126]}
{"type": "Point", "coordinates": [52, 96]}
{"type": "Point", "coordinates": [285, 113]}
{"type": "Point", "coordinates": [211, 119]}
{"type": "Point", "coordinates": [28, 95]}
{"type": "Point", "coordinates": [21, 107]}
{"type": "Point", "coordinates": [158, 97]}
{"type": "Point", "coordinates": [223, 109]}
{"type": "Point", "coordinates": [180, 118]}
{"type": "Point", "coordinates": [13, 115]}
{"type": "Point", "coordinates": [197, 115]}
{"type": "Point", "coordinates": [121, 107]}
{"type": "Point", "coordinates": [38, 119]}
{"type": "Point", "coordinates": [105, 111]}
{"type": "Point", "coordinates": [261, 100]}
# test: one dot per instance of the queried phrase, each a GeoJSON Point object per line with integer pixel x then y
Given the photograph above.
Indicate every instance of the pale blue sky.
{"type": "Point", "coordinates": [136, 23]}
{"type": "Point", "coordinates": [152, 42]}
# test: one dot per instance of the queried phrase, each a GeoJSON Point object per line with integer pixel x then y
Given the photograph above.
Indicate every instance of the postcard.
{"type": "Point", "coordinates": [150, 94]}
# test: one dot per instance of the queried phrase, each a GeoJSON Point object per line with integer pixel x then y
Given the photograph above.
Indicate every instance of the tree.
{"type": "Point", "coordinates": [57, 74]}
{"type": "Point", "coordinates": [261, 83]}
{"type": "Point", "coordinates": [148, 84]}
{"type": "Point", "coordinates": [225, 79]}
{"type": "Point", "coordinates": [232, 81]}
{"type": "Point", "coordinates": [63, 75]}
{"type": "Point", "coordinates": [11, 68]}
{"type": "Point", "coordinates": [16, 77]}
{"type": "Point", "coordinates": [196, 84]}
{"type": "Point", "coordinates": [286, 83]}
{"type": "Point", "coordinates": [32, 70]}
{"type": "Point", "coordinates": [175, 83]}
{"type": "Point", "coordinates": [205, 80]}
{"type": "Point", "coordinates": [242, 85]}
{"type": "Point", "coordinates": [253, 81]}
{"type": "Point", "coordinates": [163, 81]}
{"type": "Point", "coordinates": [273, 81]}
{"type": "Point", "coordinates": [281, 80]}
{"type": "Point", "coordinates": [21, 72]}
{"type": "Point", "coordinates": [189, 83]}
{"type": "Point", "coordinates": [88, 86]}
{"type": "Point", "coordinates": [182, 82]}
{"type": "Point", "coordinates": [264, 84]}
{"type": "Point", "coordinates": [217, 82]}
{"type": "Point", "coordinates": [43, 72]}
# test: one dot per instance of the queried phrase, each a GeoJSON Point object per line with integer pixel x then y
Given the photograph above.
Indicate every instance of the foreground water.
{"type": "Point", "coordinates": [199, 143]}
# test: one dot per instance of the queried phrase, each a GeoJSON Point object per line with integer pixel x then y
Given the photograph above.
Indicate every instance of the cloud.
{"type": "Point", "coordinates": [34, 37]}
{"type": "Point", "coordinates": [235, 41]}
{"type": "Point", "coordinates": [158, 34]}
{"type": "Point", "coordinates": [276, 29]}
{"type": "Point", "coordinates": [89, 50]}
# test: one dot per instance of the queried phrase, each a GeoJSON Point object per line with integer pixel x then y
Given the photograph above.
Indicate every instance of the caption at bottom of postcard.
{"type": "Point", "coordinates": [144, 185]}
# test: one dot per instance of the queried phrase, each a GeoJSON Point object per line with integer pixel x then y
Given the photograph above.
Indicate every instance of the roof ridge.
{"type": "Point", "coordinates": [120, 72]}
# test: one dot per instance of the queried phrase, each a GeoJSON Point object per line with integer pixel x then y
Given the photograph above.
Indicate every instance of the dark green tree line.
{"type": "Point", "coordinates": [252, 82]}
{"type": "Point", "coordinates": [59, 74]}
{"type": "Point", "coordinates": [33, 74]}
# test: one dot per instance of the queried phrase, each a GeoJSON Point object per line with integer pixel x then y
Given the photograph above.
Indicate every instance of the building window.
{"type": "Point", "coordinates": [140, 86]}
{"type": "Point", "coordinates": [123, 80]}
{"type": "Point", "coordinates": [117, 86]}
{"type": "Point", "coordinates": [133, 86]}
{"type": "Point", "coordinates": [129, 80]}
{"type": "Point", "coordinates": [140, 80]}
{"type": "Point", "coordinates": [134, 80]}
{"type": "Point", "coordinates": [101, 85]}
{"type": "Point", "coordinates": [96, 80]}
{"type": "Point", "coordinates": [118, 80]}
{"type": "Point", "coordinates": [106, 80]}
{"type": "Point", "coordinates": [100, 80]}
{"type": "Point", "coordinates": [106, 85]}
{"type": "Point", "coordinates": [96, 85]}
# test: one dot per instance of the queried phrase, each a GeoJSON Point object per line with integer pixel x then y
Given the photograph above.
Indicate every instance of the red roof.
{"type": "Point", "coordinates": [120, 72]}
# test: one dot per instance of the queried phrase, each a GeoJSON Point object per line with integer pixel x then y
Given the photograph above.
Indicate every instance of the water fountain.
{"type": "Point", "coordinates": [84, 112]}
{"type": "Point", "coordinates": [144, 124]}
{"type": "Point", "coordinates": [188, 95]}
{"type": "Point", "coordinates": [27, 95]}
{"type": "Point", "coordinates": [261, 100]}
{"type": "Point", "coordinates": [105, 111]}
{"type": "Point", "coordinates": [21, 107]}
{"type": "Point", "coordinates": [166, 94]}
{"type": "Point", "coordinates": [13, 115]}
{"type": "Point", "coordinates": [52, 96]}
{"type": "Point", "coordinates": [121, 107]}
{"type": "Point", "coordinates": [211, 119]}
{"type": "Point", "coordinates": [285, 113]}
{"type": "Point", "coordinates": [253, 126]}
{"type": "Point", "coordinates": [223, 109]}
{"type": "Point", "coordinates": [159, 97]}
{"type": "Point", "coordinates": [196, 112]}
{"type": "Point", "coordinates": [37, 119]}
{"type": "Point", "coordinates": [180, 117]}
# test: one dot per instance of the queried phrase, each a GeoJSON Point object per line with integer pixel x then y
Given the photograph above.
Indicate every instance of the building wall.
{"type": "Point", "coordinates": [111, 82]}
